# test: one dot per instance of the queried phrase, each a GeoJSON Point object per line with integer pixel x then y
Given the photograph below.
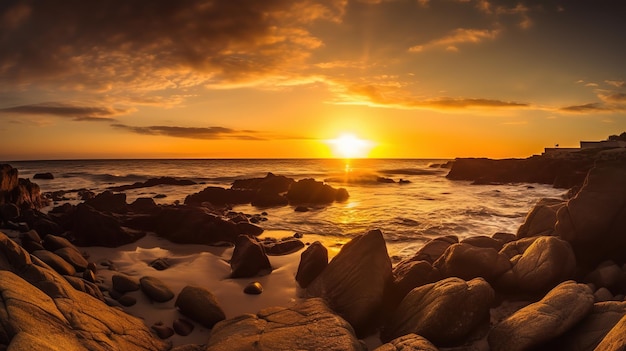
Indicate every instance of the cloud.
{"type": "Point", "coordinates": [208, 133]}
{"type": "Point", "coordinates": [458, 36]}
{"type": "Point", "coordinates": [616, 83]}
{"type": "Point", "coordinates": [590, 107]}
{"type": "Point", "coordinates": [75, 112]}
{"type": "Point", "coordinates": [110, 45]}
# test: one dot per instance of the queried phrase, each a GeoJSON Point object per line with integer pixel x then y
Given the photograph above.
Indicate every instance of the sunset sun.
{"type": "Point", "coordinates": [349, 146]}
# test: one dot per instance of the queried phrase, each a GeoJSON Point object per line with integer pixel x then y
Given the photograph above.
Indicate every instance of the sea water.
{"type": "Point", "coordinates": [423, 206]}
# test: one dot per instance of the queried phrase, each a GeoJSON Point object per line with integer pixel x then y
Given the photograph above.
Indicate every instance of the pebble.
{"type": "Point", "coordinates": [183, 327]}
{"type": "Point", "coordinates": [254, 288]}
{"type": "Point", "coordinates": [127, 300]}
{"type": "Point", "coordinates": [162, 331]}
{"type": "Point", "coordinates": [155, 289]}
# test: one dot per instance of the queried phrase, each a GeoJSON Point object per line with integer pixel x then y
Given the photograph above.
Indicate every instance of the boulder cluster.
{"type": "Point", "coordinates": [559, 283]}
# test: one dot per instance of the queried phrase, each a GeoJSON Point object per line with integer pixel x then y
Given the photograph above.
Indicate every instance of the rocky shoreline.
{"type": "Point", "coordinates": [559, 283]}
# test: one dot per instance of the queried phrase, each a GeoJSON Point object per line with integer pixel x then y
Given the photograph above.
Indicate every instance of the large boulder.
{"type": "Point", "coordinates": [355, 281]}
{"type": "Point", "coordinates": [311, 191]}
{"type": "Point", "coordinates": [108, 201]}
{"type": "Point", "coordinates": [94, 228]}
{"type": "Point", "coordinates": [541, 219]}
{"type": "Point", "coordinates": [47, 313]}
{"type": "Point", "coordinates": [313, 261]}
{"type": "Point", "coordinates": [192, 225]}
{"type": "Point", "coordinates": [467, 262]}
{"type": "Point", "coordinates": [561, 309]}
{"type": "Point", "coordinates": [408, 275]}
{"type": "Point", "coordinates": [615, 339]}
{"type": "Point", "coordinates": [546, 262]}
{"type": "Point", "coordinates": [249, 259]}
{"type": "Point", "coordinates": [445, 313]}
{"type": "Point", "coordinates": [155, 289]}
{"type": "Point", "coordinates": [594, 221]}
{"type": "Point", "coordinates": [153, 182]}
{"type": "Point", "coordinates": [434, 248]}
{"type": "Point", "coordinates": [589, 332]}
{"type": "Point", "coordinates": [55, 262]}
{"type": "Point", "coordinates": [270, 183]}
{"type": "Point", "coordinates": [310, 325]}
{"type": "Point", "coordinates": [220, 196]}
{"type": "Point", "coordinates": [200, 305]}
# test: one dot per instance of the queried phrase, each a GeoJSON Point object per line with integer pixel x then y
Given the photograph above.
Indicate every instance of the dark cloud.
{"type": "Point", "coordinates": [208, 133]}
{"type": "Point", "coordinates": [590, 107]}
{"type": "Point", "coordinates": [77, 113]}
{"type": "Point", "coordinates": [108, 43]}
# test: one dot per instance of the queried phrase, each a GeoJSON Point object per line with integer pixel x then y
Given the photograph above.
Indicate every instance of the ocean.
{"type": "Point", "coordinates": [409, 214]}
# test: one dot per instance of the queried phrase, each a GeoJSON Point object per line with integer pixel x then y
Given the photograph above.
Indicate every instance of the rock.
{"type": "Point", "coordinates": [93, 228]}
{"type": "Point", "coordinates": [183, 327]}
{"type": "Point", "coordinates": [8, 181]}
{"type": "Point", "coordinates": [594, 221]}
{"type": "Point", "coordinates": [73, 257]}
{"type": "Point", "coordinates": [143, 205]}
{"type": "Point", "coordinates": [249, 259]}
{"type": "Point", "coordinates": [588, 333]}
{"type": "Point", "coordinates": [191, 225]}
{"type": "Point", "coordinates": [155, 289]}
{"type": "Point", "coordinates": [9, 212]}
{"type": "Point", "coordinates": [301, 209]}
{"type": "Point", "coordinates": [313, 261]}
{"type": "Point", "coordinates": [270, 183]}
{"type": "Point", "coordinates": [268, 198]}
{"type": "Point", "coordinates": [127, 300]}
{"type": "Point", "coordinates": [254, 288]}
{"type": "Point", "coordinates": [54, 242]}
{"type": "Point", "coordinates": [282, 247]}
{"type": "Point", "coordinates": [123, 283]}
{"type": "Point", "coordinates": [311, 191]}
{"type": "Point", "coordinates": [517, 247]}
{"type": "Point", "coordinates": [153, 182]}
{"type": "Point", "coordinates": [89, 276]}
{"type": "Point", "coordinates": [547, 262]}
{"type": "Point", "coordinates": [408, 275]}
{"type": "Point", "coordinates": [353, 286]}
{"type": "Point", "coordinates": [47, 313]}
{"type": "Point", "coordinates": [220, 196]}
{"type": "Point", "coordinates": [539, 322]}
{"type": "Point", "coordinates": [409, 342]}
{"type": "Point", "coordinates": [484, 242]}
{"type": "Point", "coordinates": [160, 264]}
{"type": "Point", "coordinates": [468, 262]}
{"type": "Point", "coordinates": [41, 222]}
{"type": "Point", "coordinates": [445, 312]}
{"type": "Point", "coordinates": [199, 305]}
{"type": "Point", "coordinates": [434, 248]}
{"type": "Point", "coordinates": [108, 201]}
{"type": "Point", "coordinates": [309, 325]}
{"type": "Point", "coordinates": [55, 262]}
{"type": "Point", "coordinates": [602, 294]}
{"type": "Point", "coordinates": [249, 229]}
{"type": "Point", "coordinates": [162, 330]}
{"type": "Point", "coordinates": [504, 238]}
{"type": "Point", "coordinates": [608, 274]}
{"type": "Point", "coordinates": [85, 286]}
{"type": "Point", "coordinates": [615, 339]}
{"type": "Point", "coordinates": [541, 219]}
{"type": "Point", "coordinates": [46, 175]}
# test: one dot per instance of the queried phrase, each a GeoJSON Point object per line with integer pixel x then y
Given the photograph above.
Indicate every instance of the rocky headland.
{"type": "Point", "coordinates": [559, 283]}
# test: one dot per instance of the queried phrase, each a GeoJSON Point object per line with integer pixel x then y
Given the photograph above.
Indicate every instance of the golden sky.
{"type": "Point", "coordinates": [280, 78]}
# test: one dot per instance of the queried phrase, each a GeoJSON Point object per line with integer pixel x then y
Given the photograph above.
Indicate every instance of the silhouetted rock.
{"type": "Point", "coordinates": [41, 222]}
{"type": "Point", "coordinates": [355, 281]}
{"type": "Point", "coordinates": [55, 242]}
{"type": "Point", "coordinates": [541, 219]}
{"type": "Point", "coordinates": [311, 191]}
{"type": "Point", "coordinates": [191, 225]}
{"type": "Point", "coordinates": [46, 175]}
{"type": "Point", "coordinates": [160, 264]}
{"type": "Point", "coordinates": [272, 183]}
{"type": "Point", "coordinates": [409, 342]}
{"type": "Point", "coordinates": [249, 228]}
{"type": "Point", "coordinates": [93, 228]}
{"type": "Point", "coordinates": [108, 201]}
{"type": "Point", "coordinates": [47, 313]}
{"type": "Point", "coordinates": [220, 196]}
{"type": "Point", "coordinates": [561, 309]}
{"type": "Point", "coordinates": [445, 312]}
{"type": "Point", "coordinates": [594, 221]}
{"type": "Point", "coordinates": [143, 205]}
{"type": "Point", "coordinates": [161, 330]}
{"type": "Point", "coordinates": [562, 173]}
{"type": "Point", "coordinates": [155, 289]}
{"type": "Point", "coordinates": [615, 339]}
{"type": "Point", "coordinates": [249, 259]}
{"type": "Point", "coordinates": [546, 262]}
{"type": "Point", "coordinates": [268, 198]}
{"type": "Point", "coordinates": [199, 305]}
{"type": "Point", "coordinates": [9, 212]}
{"type": "Point", "coordinates": [313, 261]}
{"type": "Point", "coordinates": [182, 327]}
{"type": "Point", "coordinates": [309, 325]}
{"type": "Point", "coordinates": [153, 182]}
{"type": "Point", "coordinates": [123, 283]}
{"type": "Point", "coordinates": [282, 247]}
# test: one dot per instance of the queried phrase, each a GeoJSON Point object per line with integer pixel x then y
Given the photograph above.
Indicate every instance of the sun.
{"type": "Point", "coordinates": [350, 146]}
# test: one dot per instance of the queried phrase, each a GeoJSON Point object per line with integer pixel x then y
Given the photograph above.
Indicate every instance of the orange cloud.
{"type": "Point", "coordinates": [75, 112]}
{"type": "Point", "coordinates": [458, 36]}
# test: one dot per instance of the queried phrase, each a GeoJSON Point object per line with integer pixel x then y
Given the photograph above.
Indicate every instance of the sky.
{"type": "Point", "coordinates": [286, 79]}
